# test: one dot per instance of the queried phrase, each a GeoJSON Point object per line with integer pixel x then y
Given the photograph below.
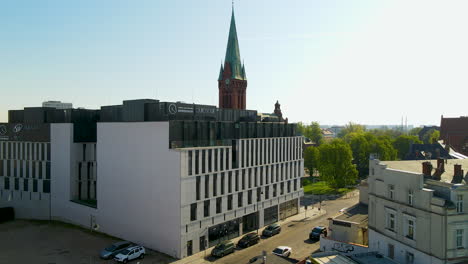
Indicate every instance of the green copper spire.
{"type": "Point", "coordinates": [232, 51]}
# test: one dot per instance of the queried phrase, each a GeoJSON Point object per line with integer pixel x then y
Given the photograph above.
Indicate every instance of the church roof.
{"type": "Point", "coordinates": [233, 53]}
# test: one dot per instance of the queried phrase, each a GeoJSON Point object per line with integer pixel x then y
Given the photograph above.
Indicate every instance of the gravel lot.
{"type": "Point", "coordinates": [24, 241]}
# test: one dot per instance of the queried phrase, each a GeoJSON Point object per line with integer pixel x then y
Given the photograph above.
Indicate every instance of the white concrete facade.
{"type": "Point", "coordinates": [414, 219]}
{"type": "Point", "coordinates": [132, 185]}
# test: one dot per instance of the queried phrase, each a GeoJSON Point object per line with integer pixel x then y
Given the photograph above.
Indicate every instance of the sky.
{"type": "Point", "coordinates": [363, 61]}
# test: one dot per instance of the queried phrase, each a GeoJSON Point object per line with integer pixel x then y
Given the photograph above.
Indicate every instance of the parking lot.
{"type": "Point", "coordinates": [47, 242]}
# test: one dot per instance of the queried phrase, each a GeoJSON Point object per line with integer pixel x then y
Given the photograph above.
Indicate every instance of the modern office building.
{"type": "Point", "coordinates": [174, 177]}
{"type": "Point", "coordinates": [418, 210]}
{"type": "Point", "coordinates": [57, 105]}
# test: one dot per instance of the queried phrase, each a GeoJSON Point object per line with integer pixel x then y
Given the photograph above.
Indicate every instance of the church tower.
{"type": "Point", "coordinates": [232, 81]}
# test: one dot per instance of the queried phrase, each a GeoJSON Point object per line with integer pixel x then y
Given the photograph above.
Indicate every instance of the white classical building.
{"type": "Point", "coordinates": [418, 210]}
{"type": "Point", "coordinates": [153, 176]}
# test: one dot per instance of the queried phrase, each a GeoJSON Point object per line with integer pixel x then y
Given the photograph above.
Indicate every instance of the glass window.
{"type": "Point", "coordinates": [239, 199]}
{"type": "Point", "coordinates": [391, 221]}
{"type": "Point", "coordinates": [189, 162]}
{"type": "Point", "coordinates": [249, 197]}
{"type": "Point", "coordinates": [459, 238]}
{"type": "Point", "coordinates": [46, 186]}
{"type": "Point", "coordinates": [230, 181]}
{"type": "Point", "coordinates": [215, 184]}
{"type": "Point", "coordinates": [222, 183]}
{"type": "Point", "coordinates": [410, 230]}
{"type": "Point", "coordinates": [391, 191]}
{"type": "Point", "coordinates": [7, 183]}
{"type": "Point", "coordinates": [219, 202]}
{"type": "Point", "coordinates": [25, 185]}
{"type": "Point", "coordinates": [409, 258]}
{"type": "Point", "coordinates": [197, 187]}
{"type": "Point", "coordinates": [193, 212]}
{"type": "Point", "coordinates": [206, 208]}
{"type": "Point", "coordinates": [207, 186]}
{"type": "Point", "coordinates": [410, 197]}
{"type": "Point", "coordinates": [459, 203]}
{"type": "Point", "coordinates": [229, 204]}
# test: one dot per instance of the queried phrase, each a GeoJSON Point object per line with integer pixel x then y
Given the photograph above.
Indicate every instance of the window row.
{"type": "Point", "coordinates": [267, 192]}
{"type": "Point", "coordinates": [202, 161]}
{"type": "Point", "coordinates": [244, 153]}
{"type": "Point", "coordinates": [24, 150]}
{"type": "Point", "coordinates": [26, 185]}
{"type": "Point", "coordinates": [409, 223]}
{"type": "Point", "coordinates": [254, 152]}
{"type": "Point", "coordinates": [409, 194]}
{"type": "Point", "coordinates": [25, 169]}
{"type": "Point", "coordinates": [233, 181]}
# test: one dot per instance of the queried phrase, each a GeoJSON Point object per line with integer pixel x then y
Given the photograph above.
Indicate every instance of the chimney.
{"type": "Point", "coordinates": [427, 168]}
{"type": "Point", "coordinates": [457, 173]}
{"type": "Point", "coordinates": [440, 165]}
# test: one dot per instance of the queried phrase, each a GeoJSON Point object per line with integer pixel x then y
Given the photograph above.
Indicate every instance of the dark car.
{"type": "Point", "coordinates": [271, 230]}
{"type": "Point", "coordinates": [317, 231]}
{"type": "Point", "coordinates": [222, 249]}
{"type": "Point", "coordinates": [248, 240]}
{"type": "Point", "coordinates": [114, 249]}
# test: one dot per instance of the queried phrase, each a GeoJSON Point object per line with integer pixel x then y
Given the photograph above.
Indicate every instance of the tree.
{"type": "Point", "coordinates": [335, 164]}
{"type": "Point", "coordinates": [351, 128]}
{"type": "Point", "coordinates": [312, 131]}
{"type": "Point", "coordinates": [311, 155]}
{"type": "Point", "coordinates": [363, 144]}
{"type": "Point", "coordinates": [403, 143]}
{"type": "Point", "coordinates": [431, 136]}
{"type": "Point", "coordinates": [434, 137]}
{"type": "Point", "coordinates": [415, 131]}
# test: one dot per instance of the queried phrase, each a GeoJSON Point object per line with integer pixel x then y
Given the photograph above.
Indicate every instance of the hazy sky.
{"type": "Point", "coordinates": [366, 61]}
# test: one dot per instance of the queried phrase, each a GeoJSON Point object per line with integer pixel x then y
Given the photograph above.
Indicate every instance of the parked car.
{"type": "Point", "coordinates": [130, 253]}
{"type": "Point", "coordinates": [248, 240]}
{"type": "Point", "coordinates": [271, 230]}
{"type": "Point", "coordinates": [317, 231]}
{"type": "Point", "coordinates": [282, 251]}
{"type": "Point", "coordinates": [222, 249]}
{"type": "Point", "coordinates": [114, 249]}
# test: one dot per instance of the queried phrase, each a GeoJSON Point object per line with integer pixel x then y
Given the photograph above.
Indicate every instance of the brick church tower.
{"type": "Point", "coordinates": [232, 81]}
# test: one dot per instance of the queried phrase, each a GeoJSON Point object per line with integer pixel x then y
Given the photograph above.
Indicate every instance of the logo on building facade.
{"type": "Point", "coordinates": [172, 109]}
{"type": "Point", "coordinates": [3, 130]}
{"type": "Point", "coordinates": [17, 128]}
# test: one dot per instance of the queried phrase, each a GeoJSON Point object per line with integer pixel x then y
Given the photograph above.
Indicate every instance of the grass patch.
{"type": "Point", "coordinates": [322, 188]}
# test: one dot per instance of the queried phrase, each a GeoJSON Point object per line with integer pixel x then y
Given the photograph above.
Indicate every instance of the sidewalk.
{"type": "Point", "coordinates": [312, 213]}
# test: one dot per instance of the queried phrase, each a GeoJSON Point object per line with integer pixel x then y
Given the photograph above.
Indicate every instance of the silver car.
{"type": "Point", "coordinates": [114, 249]}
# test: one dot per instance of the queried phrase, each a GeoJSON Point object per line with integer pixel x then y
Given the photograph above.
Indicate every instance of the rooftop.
{"type": "Point", "coordinates": [363, 258]}
{"type": "Point", "coordinates": [416, 167]}
{"type": "Point", "coordinates": [356, 214]}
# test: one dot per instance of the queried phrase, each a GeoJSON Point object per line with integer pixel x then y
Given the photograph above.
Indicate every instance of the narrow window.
{"type": "Point", "coordinates": [219, 202]}
{"type": "Point", "coordinates": [222, 183]}
{"type": "Point", "coordinates": [198, 183]}
{"type": "Point", "coordinates": [410, 230]}
{"type": "Point", "coordinates": [459, 238]}
{"type": "Point", "coordinates": [459, 203]}
{"type": "Point", "coordinates": [193, 212]}
{"type": "Point", "coordinates": [229, 204]}
{"type": "Point", "coordinates": [237, 181]}
{"type": "Point", "coordinates": [259, 194]}
{"type": "Point", "coordinates": [203, 161]}
{"type": "Point", "coordinates": [243, 180]}
{"type": "Point", "coordinates": [207, 186]}
{"type": "Point", "coordinates": [239, 199]}
{"type": "Point", "coordinates": [267, 192]}
{"type": "Point", "coordinates": [410, 197]}
{"type": "Point", "coordinates": [391, 191]}
{"type": "Point", "coordinates": [25, 185]}
{"type": "Point", "coordinates": [206, 208]}
{"type": "Point", "coordinates": [249, 197]}
{"type": "Point", "coordinates": [46, 186]}
{"type": "Point", "coordinates": [197, 159]}
{"type": "Point", "coordinates": [230, 181]}
{"type": "Point", "coordinates": [190, 162]}
{"type": "Point", "coordinates": [215, 183]}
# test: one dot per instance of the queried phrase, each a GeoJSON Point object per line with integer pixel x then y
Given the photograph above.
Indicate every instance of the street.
{"type": "Point", "coordinates": [294, 234]}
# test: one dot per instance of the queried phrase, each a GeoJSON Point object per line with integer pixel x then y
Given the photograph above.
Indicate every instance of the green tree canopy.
{"type": "Point", "coordinates": [402, 144]}
{"type": "Point", "coordinates": [312, 131]}
{"type": "Point", "coordinates": [351, 128]}
{"type": "Point", "coordinates": [431, 136]}
{"type": "Point", "coordinates": [335, 164]}
{"type": "Point", "coordinates": [363, 144]}
{"type": "Point", "coordinates": [311, 155]}
{"type": "Point", "coordinates": [415, 131]}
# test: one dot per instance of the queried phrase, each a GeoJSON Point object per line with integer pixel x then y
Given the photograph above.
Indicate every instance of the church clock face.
{"type": "Point", "coordinates": [227, 81]}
